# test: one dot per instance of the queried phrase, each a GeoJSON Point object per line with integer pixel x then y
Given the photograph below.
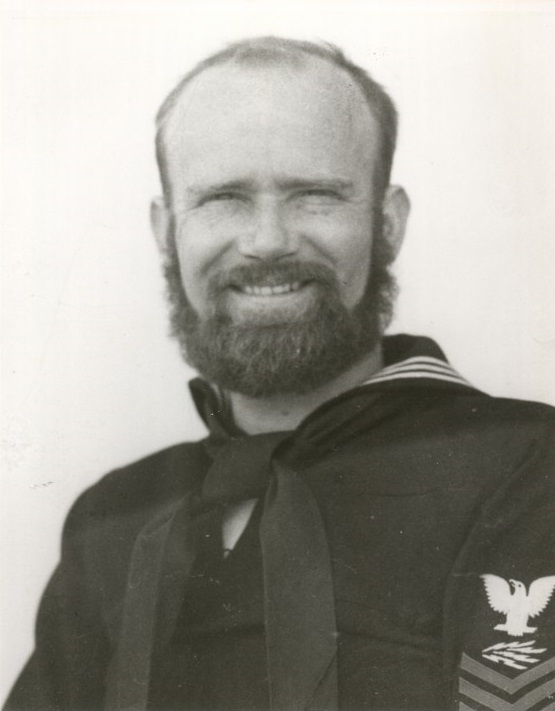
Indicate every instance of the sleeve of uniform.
{"type": "Point", "coordinates": [506, 652]}
{"type": "Point", "coordinates": [67, 668]}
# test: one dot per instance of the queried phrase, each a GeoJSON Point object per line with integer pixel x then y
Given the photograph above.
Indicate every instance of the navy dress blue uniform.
{"type": "Point", "coordinates": [423, 484]}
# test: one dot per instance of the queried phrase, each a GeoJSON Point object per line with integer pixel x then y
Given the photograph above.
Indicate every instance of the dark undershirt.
{"type": "Point", "coordinates": [217, 658]}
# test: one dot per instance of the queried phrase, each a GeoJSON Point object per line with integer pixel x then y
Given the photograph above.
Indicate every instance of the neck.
{"type": "Point", "coordinates": [283, 412]}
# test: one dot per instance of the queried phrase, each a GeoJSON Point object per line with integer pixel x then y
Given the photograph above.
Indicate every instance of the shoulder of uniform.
{"type": "Point", "coordinates": [142, 485]}
{"type": "Point", "coordinates": [487, 413]}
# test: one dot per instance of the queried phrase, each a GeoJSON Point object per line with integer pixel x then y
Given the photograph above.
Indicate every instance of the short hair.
{"type": "Point", "coordinates": [276, 51]}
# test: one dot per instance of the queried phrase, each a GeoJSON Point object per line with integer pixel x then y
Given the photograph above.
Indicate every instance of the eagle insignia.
{"type": "Point", "coordinates": [511, 599]}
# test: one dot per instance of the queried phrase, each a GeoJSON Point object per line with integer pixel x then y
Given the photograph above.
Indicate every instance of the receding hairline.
{"type": "Point", "coordinates": [263, 52]}
{"type": "Point", "coordinates": [276, 52]}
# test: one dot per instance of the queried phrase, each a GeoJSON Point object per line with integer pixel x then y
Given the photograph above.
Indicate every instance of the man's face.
{"type": "Point", "coordinates": [272, 210]}
{"type": "Point", "coordinates": [272, 165]}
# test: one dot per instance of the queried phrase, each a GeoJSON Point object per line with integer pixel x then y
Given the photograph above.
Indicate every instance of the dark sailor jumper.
{"type": "Point", "coordinates": [401, 556]}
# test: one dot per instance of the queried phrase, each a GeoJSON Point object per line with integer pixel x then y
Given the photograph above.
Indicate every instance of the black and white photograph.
{"type": "Point", "coordinates": [278, 335]}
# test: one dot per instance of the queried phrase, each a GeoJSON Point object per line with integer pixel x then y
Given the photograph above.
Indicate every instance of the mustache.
{"type": "Point", "coordinates": [267, 274]}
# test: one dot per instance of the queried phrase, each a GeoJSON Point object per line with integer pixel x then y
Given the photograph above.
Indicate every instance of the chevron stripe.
{"type": "Point", "coordinates": [490, 701]}
{"type": "Point", "coordinates": [464, 707]}
{"type": "Point", "coordinates": [509, 685]}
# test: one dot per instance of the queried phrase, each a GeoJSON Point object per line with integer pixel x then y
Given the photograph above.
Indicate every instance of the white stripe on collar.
{"type": "Point", "coordinates": [419, 367]}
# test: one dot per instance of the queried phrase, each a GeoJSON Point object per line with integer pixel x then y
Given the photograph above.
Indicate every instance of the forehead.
{"type": "Point", "coordinates": [272, 112]}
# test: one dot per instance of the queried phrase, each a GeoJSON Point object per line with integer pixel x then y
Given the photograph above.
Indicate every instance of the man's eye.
{"type": "Point", "coordinates": [320, 194]}
{"type": "Point", "coordinates": [225, 196]}
{"type": "Point", "coordinates": [318, 199]}
{"type": "Point", "coordinates": [219, 197]}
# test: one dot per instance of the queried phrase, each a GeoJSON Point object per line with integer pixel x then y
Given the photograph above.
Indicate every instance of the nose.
{"type": "Point", "coordinates": [270, 237]}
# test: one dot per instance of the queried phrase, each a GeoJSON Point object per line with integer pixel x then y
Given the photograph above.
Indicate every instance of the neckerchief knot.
{"type": "Point", "coordinates": [240, 468]}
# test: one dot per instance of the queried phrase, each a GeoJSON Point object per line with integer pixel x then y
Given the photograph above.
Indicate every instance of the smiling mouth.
{"type": "Point", "coordinates": [276, 290]}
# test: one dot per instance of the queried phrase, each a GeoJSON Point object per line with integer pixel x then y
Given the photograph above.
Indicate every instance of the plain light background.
{"type": "Point", "coordinates": [90, 379]}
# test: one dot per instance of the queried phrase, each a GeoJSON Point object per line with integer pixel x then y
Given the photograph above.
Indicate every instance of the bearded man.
{"type": "Point", "coordinates": [350, 532]}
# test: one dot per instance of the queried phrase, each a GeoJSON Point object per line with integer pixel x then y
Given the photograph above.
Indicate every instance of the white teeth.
{"type": "Point", "coordinates": [271, 290]}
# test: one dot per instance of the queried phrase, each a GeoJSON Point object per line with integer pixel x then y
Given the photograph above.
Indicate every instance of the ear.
{"type": "Point", "coordinates": [395, 209]}
{"type": "Point", "coordinates": [160, 219]}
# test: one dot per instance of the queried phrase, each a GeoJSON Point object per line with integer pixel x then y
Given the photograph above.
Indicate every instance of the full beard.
{"type": "Point", "coordinates": [261, 359]}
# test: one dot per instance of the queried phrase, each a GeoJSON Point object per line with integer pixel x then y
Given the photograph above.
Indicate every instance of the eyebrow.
{"type": "Point", "coordinates": [284, 183]}
{"type": "Point", "coordinates": [317, 182]}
